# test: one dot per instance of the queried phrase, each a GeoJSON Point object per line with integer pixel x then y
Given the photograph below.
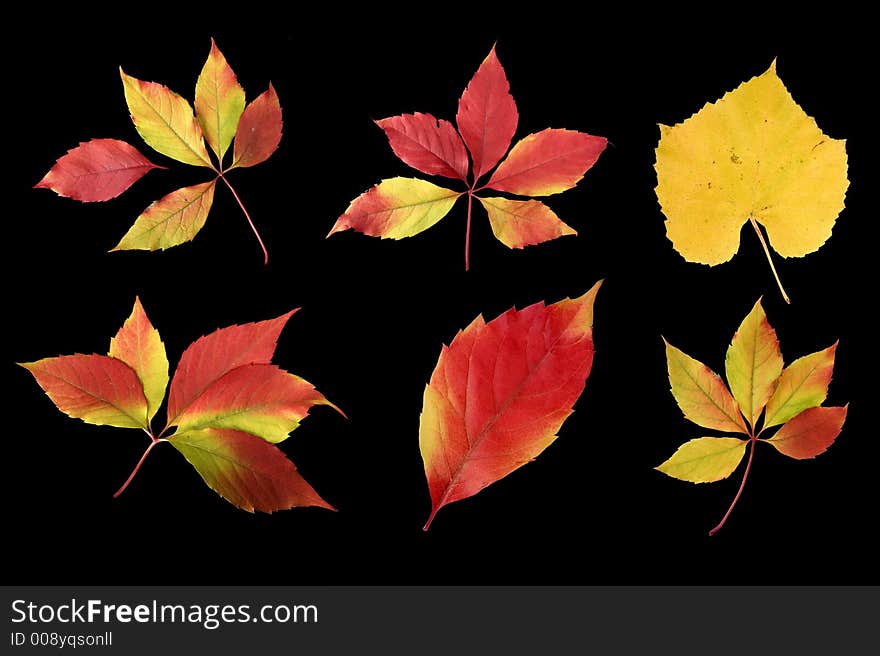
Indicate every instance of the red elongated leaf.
{"type": "Point", "coordinates": [426, 144]}
{"type": "Point", "coordinates": [397, 208]}
{"type": "Point", "coordinates": [211, 356]}
{"type": "Point", "coordinates": [95, 388]}
{"type": "Point", "coordinates": [171, 220]}
{"type": "Point", "coordinates": [97, 170]}
{"type": "Point", "coordinates": [259, 130]}
{"type": "Point", "coordinates": [547, 162]}
{"type": "Point", "coordinates": [259, 399]}
{"type": "Point", "coordinates": [245, 470]}
{"type": "Point", "coordinates": [139, 346]}
{"type": "Point", "coordinates": [521, 223]}
{"type": "Point", "coordinates": [809, 433]}
{"type": "Point", "coordinates": [487, 116]}
{"type": "Point", "coordinates": [219, 101]}
{"type": "Point", "coordinates": [500, 392]}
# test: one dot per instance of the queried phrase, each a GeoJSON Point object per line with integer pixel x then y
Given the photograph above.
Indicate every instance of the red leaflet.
{"type": "Point", "coordinates": [810, 433]}
{"type": "Point", "coordinates": [246, 471]}
{"type": "Point", "coordinates": [103, 168]}
{"type": "Point", "coordinates": [95, 388]}
{"type": "Point", "coordinates": [258, 398]}
{"type": "Point", "coordinates": [97, 170]}
{"type": "Point", "coordinates": [487, 115]}
{"type": "Point", "coordinates": [426, 144]}
{"type": "Point", "coordinates": [259, 131]}
{"type": "Point", "coordinates": [547, 163]}
{"type": "Point", "coordinates": [541, 164]}
{"type": "Point", "coordinates": [211, 356]}
{"type": "Point", "coordinates": [500, 393]}
{"type": "Point", "coordinates": [227, 405]}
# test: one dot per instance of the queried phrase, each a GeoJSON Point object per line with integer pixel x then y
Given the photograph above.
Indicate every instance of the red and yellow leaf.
{"type": "Point", "coordinates": [139, 346]}
{"type": "Point", "coordinates": [211, 356]}
{"type": "Point", "coordinates": [219, 101]}
{"type": "Point", "coordinates": [259, 399]}
{"type": "Point", "coordinates": [487, 116]}
{"type": "Point", "coordinates": [809, 433]}
{"type": "Point", "coordinates": [245, 470]}
{"type": "Point", "coordinates": [705, 459]}
{"type": "Point", "coordinates": [171, 220]}
{"type": "Point", "coordinates": [397, 208]}
{"type": "Point", "coordinates": [754, 371]}
{"type": "Point", "coordinates": [803, 384]}
{"type": "Point", "coordinates": [97, 170]}
{"type": "Point", "coordinates": [226, 400]}
{"type": "Point", "coordinates": [95, 388]}
{"type": "Point", "coordinates": [500, 393]}
{"type": "Point", "coordinates": [259, 130]}
{"type": "Point", "coordinates": [165, 121]}
{"type": "Point", "coordinates": [548, 162]}
{"type": "Point", "coordinates": [426, 144]}
{"type": "Point", "coordinates": [521, 223]}
{"type": "Point", "coordinates": [753, 363]}
{"type": "Point", "coordinates": [701, 394]}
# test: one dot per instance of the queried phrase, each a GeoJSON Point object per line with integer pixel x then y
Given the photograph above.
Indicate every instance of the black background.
{"type": "Point", "coordinates": [589, 510]}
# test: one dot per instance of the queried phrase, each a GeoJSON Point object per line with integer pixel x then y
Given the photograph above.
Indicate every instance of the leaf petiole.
{"type": "Point", "coordinates": [467, 234]}
{"type": "Point", "coordinates": [769, 259]}
{"type": "Point", "coordinates": [153, 442]}
{"type": "Point", "coordinates": [248, 217]}
{"type": "Point", "coordinates": [741, 485]}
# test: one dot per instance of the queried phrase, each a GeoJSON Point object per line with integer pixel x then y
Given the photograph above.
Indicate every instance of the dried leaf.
{"type": "Point", "coordinates": [541, 164]}
{"type": "Point", "coordinates": [755, 373]}
{"type": "Point", "coordinates": [97, 170]}
{"type": "Point", "coordinates": [754, 155]}
{"type": "Point", "coordinates": [705, 459]}
{"type": "Point", "coordinates": [500, 393]}
{"type": "Point", "coordinates": [102, 169]}
{"type": "Point", "coordinates": [227, 402]}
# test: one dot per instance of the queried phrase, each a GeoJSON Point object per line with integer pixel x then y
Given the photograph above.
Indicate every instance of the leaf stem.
{"type": "Point", "coordinates": [769, 259]}
{"type": "Point", "coordinates": [153, 442]}
{"type": "Point", "coordinates": [467, 234]}
{"type": "Point", "coordinates": [741, 485]}
{"type": "Point", "coordinates": [248, 217]}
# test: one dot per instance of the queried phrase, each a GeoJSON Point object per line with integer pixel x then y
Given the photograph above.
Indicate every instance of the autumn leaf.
{"type": "Point", "coordinates": [500, 393]}
{"type": "Point", "coordinates": [541, 164]}
{"type": "Point", "coordinates": [97, 170]}
{"type": "Point", "coordinates": [756, 156]}
{"type": "Point", "coordinates": [227, 403]}
{"type": "Point", "coordinates": [101, 169]}
{"type": "Point", "coordinates": [759, 386]}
